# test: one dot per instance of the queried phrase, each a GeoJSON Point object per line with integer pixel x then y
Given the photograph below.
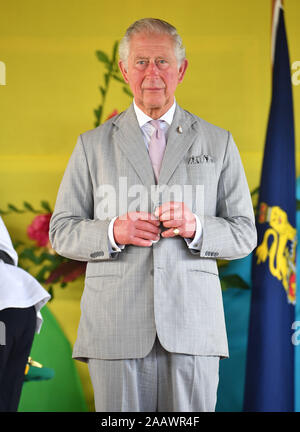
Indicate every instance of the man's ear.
{"type": "Point", "coordinates": [182, 70]}
{"type": "Point", "coordinates": [123, 71]}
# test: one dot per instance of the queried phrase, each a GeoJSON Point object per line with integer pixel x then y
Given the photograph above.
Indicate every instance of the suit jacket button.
{"type": "Point", "coordinates": [96, 254]}
{"type": "Point", "coordinates": [152, 272]}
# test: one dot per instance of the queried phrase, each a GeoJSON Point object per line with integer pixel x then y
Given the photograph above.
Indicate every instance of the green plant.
{"type": "Point", "coordinates": [112, 72]}
{"type": "Point", "coordinates": [37, 257]}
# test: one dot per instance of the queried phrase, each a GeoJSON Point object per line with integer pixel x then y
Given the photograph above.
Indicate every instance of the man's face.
{"type": "Point", "coordinates": [152, 72]}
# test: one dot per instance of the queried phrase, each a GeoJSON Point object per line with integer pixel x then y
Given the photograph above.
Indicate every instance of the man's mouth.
{"type": "Point", "coordinates": [153, 88]}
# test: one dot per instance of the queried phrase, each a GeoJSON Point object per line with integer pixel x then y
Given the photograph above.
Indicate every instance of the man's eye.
{"type": "Point", "coordinates": [162, 64]}
{"type": "Point", "coordinates": [141, 62]}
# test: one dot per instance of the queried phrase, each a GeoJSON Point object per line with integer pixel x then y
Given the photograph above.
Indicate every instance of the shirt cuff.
{"type": "Point", "coordinates": [113, 247]}
{"type": "Point", "coordinates": [196, 242]}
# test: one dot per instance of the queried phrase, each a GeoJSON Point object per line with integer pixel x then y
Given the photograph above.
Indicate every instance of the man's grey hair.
{"type": "Point", "coordinates": [151, 26]}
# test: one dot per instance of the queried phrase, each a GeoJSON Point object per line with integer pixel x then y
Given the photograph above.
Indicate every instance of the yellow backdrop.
{"type": "Point", "coordinates": [52, 80]}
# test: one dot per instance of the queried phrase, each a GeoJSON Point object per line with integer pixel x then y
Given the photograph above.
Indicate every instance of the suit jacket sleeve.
{"type": "Point", "coordinates": [231, 233]}
{"type": "Point", "coordinates": [74, 232]}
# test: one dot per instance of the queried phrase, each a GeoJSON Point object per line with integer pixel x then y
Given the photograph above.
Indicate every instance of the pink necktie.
{"type": "Point", "coordinates": [157, 147]}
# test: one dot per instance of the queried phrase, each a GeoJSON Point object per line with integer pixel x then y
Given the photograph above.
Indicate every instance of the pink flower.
{"type": "Point", "coordinates": [39, 228]}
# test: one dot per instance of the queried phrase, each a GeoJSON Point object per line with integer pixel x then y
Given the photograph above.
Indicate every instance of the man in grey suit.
{"type": "Point", "coordinates": [150, 199]}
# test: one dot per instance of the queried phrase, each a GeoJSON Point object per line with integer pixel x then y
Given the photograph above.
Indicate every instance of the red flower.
{"type": "Point", "coordinates": [68, 271]}
{"type": "Point", "coordinates": [39, 228]}
{"type": "Point", "coordinates": [112, 114]}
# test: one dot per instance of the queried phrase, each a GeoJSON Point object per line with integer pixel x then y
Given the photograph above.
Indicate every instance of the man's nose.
{"type": "Point", "coordinates": [152, 68]}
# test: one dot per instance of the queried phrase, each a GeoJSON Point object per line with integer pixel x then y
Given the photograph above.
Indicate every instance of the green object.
{"type": "Point", "coordinates": [39, 374]}
{"type": "Point", "coordinates": [63, 392]}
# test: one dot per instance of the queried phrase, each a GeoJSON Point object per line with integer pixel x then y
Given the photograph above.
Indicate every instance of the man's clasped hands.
{"type": "Point", "coordinates": [142, 228]}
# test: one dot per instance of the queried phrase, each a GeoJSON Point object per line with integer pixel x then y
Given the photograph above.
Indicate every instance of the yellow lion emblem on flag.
{"type": "Point", "coordinates": [282, 248]}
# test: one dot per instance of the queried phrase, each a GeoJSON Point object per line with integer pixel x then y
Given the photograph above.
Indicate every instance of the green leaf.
{"type": "Point", "coordinates": [18, 243]}
{"type": "Point", "coordinates": [224, 285]}
{"type": "Point", "coordinates": [52, 258]}
{"type": "Point", "coordinates": [102, 90]}
{"type": "Point", "coordinates": [40, 276]}
{"type": "Point", "coordinates": [102, 57]}
{"type": "Point", "coordinates": [127, 91]}
{"type": "Point", "coordinates": [51, 292]}
{"type": "Point", "coordinates": [255, 191]}
{"type": "Point", "coordinates": [115, 49]}
{"type": "Point", "coordinates": [29, 253]}
{"type": "Point", "coordinates": [45, 205]}
{"type": "Point", "coordinates": [98, 115]}
{"type": "Point", "coordinates": [118, 78]}
{"type": "Point", "coordinates": [29, 207]}
{"type": "Point", "coordinates": [222, 264]}
{"type": "Point", "coordinates": [233, 281]}
{"type": "Point", "coordinates": [14, 208]}
{"type": "Point", "coordinates": [116, 69]}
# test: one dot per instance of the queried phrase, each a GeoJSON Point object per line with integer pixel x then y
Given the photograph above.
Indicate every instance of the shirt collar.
{"type": "Point", "coordinates": [143, 118]}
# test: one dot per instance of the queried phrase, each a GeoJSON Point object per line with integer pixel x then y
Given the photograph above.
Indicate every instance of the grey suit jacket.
{"type": "Point", "coordinates": [166, 289]}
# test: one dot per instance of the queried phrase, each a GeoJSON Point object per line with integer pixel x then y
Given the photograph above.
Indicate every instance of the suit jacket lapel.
{"type": "Point", "coordinates": [180, 138]}
{"type": "Point", "coordinates": [130, 139]}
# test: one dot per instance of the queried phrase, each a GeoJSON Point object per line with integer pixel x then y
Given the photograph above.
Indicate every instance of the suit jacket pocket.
{"type": "Point", "coordinates": [105, 269]}
{"type": "Point", "coordinates": [205, 265]}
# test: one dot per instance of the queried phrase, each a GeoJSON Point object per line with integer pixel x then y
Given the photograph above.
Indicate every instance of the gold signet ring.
{"type": "Point", "coordinates": [176, 231]}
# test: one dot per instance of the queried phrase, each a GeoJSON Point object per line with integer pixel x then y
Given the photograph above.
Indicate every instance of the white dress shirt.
{"type": "Point", "coordinates": [18, 289]}
{"type": "Point", "coordinates": [147, 131]}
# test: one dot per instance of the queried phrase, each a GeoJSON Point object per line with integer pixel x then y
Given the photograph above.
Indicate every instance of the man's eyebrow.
{"type": "Point", "coordinates": [141, 57]}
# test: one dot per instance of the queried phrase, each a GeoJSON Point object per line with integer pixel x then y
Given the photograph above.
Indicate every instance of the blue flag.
{"type": "Point", "coordinates": [269, 384]}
